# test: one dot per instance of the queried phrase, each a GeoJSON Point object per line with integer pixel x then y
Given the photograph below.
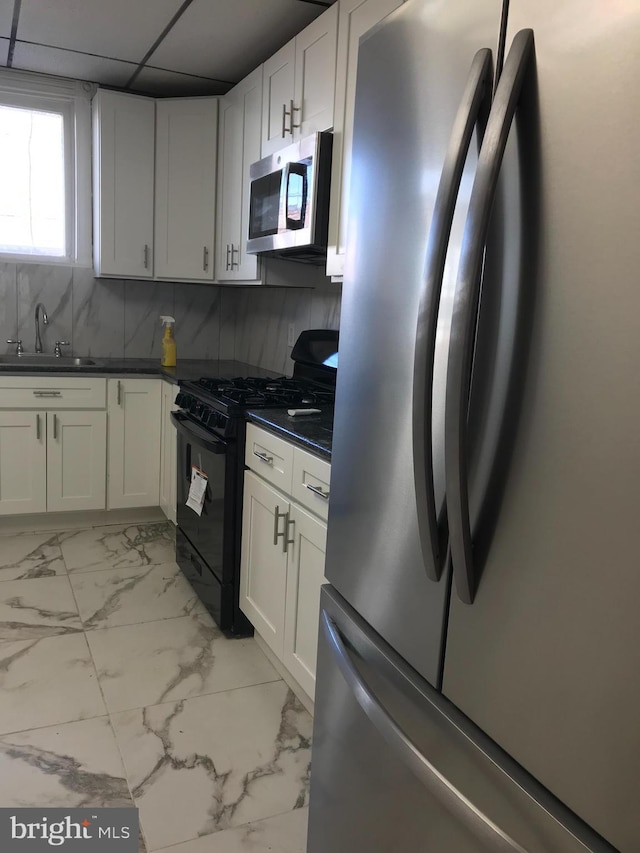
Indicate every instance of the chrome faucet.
{"type": "Point", "coordinates": [45, 320]}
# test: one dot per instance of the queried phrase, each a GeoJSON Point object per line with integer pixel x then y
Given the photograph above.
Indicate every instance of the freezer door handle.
{"type": "Point", "coordinates": [465, 309]}
{"type": "Point", "coordinates": [438, 785]}
{"type": "Point", "coordinates": [472, 112]}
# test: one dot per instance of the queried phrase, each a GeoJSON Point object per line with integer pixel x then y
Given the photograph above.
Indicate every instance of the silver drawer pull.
{"type": "Point", "coordinates": [47, 393]}
{"type": "Point", "coordinates": [264, 457]}
{"type": "Point", "coordinates": [317, 491]}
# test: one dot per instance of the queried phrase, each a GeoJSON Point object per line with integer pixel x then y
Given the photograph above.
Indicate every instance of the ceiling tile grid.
{"type": "Point", "coordinates": [188, 47]}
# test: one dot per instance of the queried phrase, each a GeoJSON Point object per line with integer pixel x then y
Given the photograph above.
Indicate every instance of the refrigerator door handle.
{"type": "Point", "coordinates": [447, 794]}
{"type": "Point", "coordinates": [473, 112]}
{"type": "Point", "coordinates": [465, 307]}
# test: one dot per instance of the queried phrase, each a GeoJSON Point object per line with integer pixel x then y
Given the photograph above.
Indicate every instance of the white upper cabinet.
{"type": "Point", "coordinates": [123, 176]}
{"type": "Point", "coordinates": [185, 202]}
{"type": "Point", "coordinates": [356, 17]}
{"type": "Point", "coordinates": [277, 98]}
{"type": "Point", "coordinates": [239, 143]}
{"type": "Point", "coordinates": [299, 85]}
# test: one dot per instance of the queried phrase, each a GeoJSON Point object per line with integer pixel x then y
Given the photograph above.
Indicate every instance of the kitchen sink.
{"type": "Point", "coordinates": [44, 359]}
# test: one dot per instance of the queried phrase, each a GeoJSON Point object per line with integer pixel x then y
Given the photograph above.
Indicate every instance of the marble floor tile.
{"type": "Point", "coordinates": [46, 682]}
{"type": "Point", "coordinates": [30, 610]}
{"type": "Point", "coordinates": [30, 555]}
{"type": "Point", "coordinates": [118, 546]}
{"type": "Point", "coordinates": [70, 765]}
{"type": "Point", "coordinates": [228, 759]}
{"type": "Point", "coordinates": [170, 659]}
{"type": "Point", "coordinates": [286, 833]}
{"type": "Point", "coordinates": [128, 596]}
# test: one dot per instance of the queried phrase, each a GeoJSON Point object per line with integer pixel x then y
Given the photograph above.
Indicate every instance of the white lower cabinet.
{"type": "Point", "coordinates": [263, 570]}
{"type": "Point", "coordinates": [305, 576]}
{"type": "Point", "coordinates": [283, 549]}
{"type": "Point", "coordinates": [23, 462]}
{"type": "Point", "coordinates": [168, 442]}
{"type": "Point", "coordinates": [76, 460]}
{"type": "Point", "coordinates": [134, 442]}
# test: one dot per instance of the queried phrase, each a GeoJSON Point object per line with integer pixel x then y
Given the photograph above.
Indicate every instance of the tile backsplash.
{"type": "Point", "coordinates": [115, 319]}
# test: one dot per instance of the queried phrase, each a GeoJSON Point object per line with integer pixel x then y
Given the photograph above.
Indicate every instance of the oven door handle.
{"type": "Point", "coordinates": [197, 434]}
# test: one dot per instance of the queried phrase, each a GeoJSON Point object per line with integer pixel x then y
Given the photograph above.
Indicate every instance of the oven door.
{"type": "Point", "coordinates": [211, 533]}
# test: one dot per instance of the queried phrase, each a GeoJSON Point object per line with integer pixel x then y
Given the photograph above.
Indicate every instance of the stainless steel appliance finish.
{"type": "Point", "coordinates": [436, 783]}
{"type": "Point", "coordinates": [289, 201]}
{"type": "Point", "coordinates": [513, 675]}
{"type": "Point", "coordinates": [395, 180]}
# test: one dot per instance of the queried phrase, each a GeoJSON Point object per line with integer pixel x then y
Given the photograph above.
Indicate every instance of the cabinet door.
{"type": "Point", "coordinates": [263, 566]}
{"type": "Point", "coordinates": [76, 460]}
{"type": "Point", "coordinates": [186, 142]}
{"type": "Point", "coordinates": [134, 442]}
{"type": "Point", "coordinates": [123, 178]}
{"type": "Point", "coordinates": [315, 76]}
{"type": "Point", "coordinates": [277, 96]}
{"type": "Point", "coordinates": [168, 473]}
{"type": "Point", "coordinates": [23, 462]}
{"type": "Point", "coordinates": [305, 576]}
{"type": "Point", "coordinates": [244, 266]}
{"type": "Point", "coordinates": [356, 17]}
{"type": "Point", "coordinates": [229, 185]}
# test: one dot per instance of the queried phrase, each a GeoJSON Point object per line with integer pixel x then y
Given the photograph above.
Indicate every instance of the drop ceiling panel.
{"type": "Point", "coordinates": [227, 39]}
{"type": "Point", "coordinates": [123, 29]}
{"type": "Point", "coordinates": [155, 81]}
{"type": "Point", "coordinates": [67, 63]}
{"type": "Point", "coordinates": [6, 18]}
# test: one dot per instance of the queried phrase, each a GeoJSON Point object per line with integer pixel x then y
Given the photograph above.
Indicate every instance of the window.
{"type": "Point", "coordinates": [45, 139]}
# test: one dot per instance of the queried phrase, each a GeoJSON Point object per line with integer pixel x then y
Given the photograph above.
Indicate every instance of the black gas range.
{"type": "Point", "coordinates": [211, 437]}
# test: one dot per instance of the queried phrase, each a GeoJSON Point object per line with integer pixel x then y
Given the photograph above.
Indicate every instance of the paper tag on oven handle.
{"type": "Point", "coordinates": [197, 490]}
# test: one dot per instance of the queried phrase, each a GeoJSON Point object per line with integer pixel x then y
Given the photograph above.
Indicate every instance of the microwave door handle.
{"type": "Point", "coordinates": [300, 170]}
{"type": "Point", "coordinates": [472, 113]}
{"type": "Point", "coordinates": [465, 307]}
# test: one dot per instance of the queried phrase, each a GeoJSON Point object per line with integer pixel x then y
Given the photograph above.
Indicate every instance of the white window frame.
{"type": "Point", "coordinates": [72, 100]}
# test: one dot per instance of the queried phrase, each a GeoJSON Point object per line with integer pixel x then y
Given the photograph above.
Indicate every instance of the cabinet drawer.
{"type": "Point", "coordinates": [270, 457]}
{"type": "Point", "coordinates": [310, 486]}
{"type": "Point", "coordinates": [52, 392]}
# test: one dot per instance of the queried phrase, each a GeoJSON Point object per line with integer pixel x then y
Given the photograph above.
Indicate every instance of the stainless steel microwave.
{"type": "Point", "coordinates": [289, 201]}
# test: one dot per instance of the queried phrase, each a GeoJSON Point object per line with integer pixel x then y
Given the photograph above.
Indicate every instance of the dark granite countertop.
{"type": "Point", "coordinates": [185, 369]}
{"type": "Point", "coordinates": [311, 432]}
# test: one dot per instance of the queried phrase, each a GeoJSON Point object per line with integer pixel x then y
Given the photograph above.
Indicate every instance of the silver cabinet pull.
{"type": "Point", "coordinates": [293, 110]}
{"type": "Point", "coordinates": [284, 120]}
{"type": "Point", "coordinates": [317, 491]}
{"type": "Point", "coordinates": [55, 427]}
{"type": "Point", "coordinates": [119, 393]}
{"type": "Point", "coordinates": [47, 393]}
{"type": "Point", "coordinates": [205, 258]}
{"type": "Point", "coordinates": [37, 427]}
{"type": "Point", "coordinates": [146, 256]}
{"type": "Point", "coordinates": [234, 251]}
{"type": "Point", "coordinates": [264, 457]}
{"type": "Point", "coordinates": [285, 540]}
{"type": "Point", "coordinates": [228, 262]}
{"type": "Point", "coordinates": [276, 518]}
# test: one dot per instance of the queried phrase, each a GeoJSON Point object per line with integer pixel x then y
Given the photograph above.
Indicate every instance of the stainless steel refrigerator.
{"type": "Point", "coordinates": [479, 654]}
